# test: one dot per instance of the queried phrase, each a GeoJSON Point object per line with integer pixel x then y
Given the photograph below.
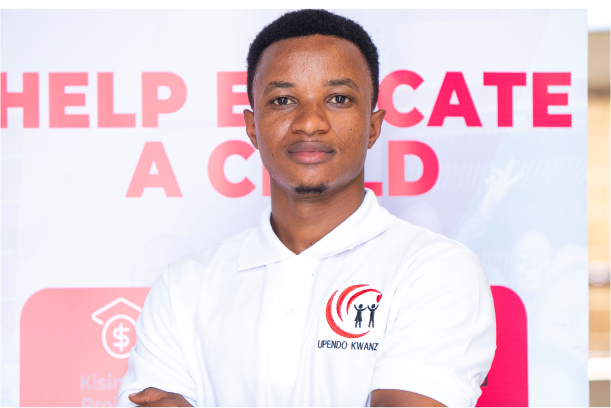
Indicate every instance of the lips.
{"type": "Point", "coordinates": [310, 152]}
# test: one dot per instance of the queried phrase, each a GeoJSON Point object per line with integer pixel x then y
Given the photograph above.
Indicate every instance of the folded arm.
{"type": "Point", "coordinates": [399, 398]}
{"type": "Point", "coordinates": [157, 358]}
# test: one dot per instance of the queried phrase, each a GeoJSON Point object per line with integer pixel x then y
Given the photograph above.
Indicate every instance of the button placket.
{"type": "Point", "coordinates": [290, 322]}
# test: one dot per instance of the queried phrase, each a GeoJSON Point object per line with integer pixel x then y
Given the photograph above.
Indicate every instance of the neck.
{"type": "Point", "coordinates": [300, 222]}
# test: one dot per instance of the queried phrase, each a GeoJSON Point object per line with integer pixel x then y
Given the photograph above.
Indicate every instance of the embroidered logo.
{"type": "Point", "coordinates": [363, 299]}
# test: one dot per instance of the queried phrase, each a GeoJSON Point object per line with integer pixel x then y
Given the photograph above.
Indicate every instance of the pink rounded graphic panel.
{"type": "Point", "coordinates": [77, 340]}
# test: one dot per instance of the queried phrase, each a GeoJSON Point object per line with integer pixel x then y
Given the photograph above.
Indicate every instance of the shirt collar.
{"type": "Point", "coordinates": [262, 246]}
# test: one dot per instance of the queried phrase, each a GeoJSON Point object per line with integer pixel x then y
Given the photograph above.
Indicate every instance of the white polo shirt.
{"type": "Point", "coordinates": [378, 303]}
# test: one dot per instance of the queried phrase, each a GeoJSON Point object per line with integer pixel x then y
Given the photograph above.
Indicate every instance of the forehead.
{"type": "Point", "coordinates": [305, 58]}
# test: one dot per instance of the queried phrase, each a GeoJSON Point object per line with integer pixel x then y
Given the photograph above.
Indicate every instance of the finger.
{"type": "Point", "coordinates": [152, 395]}
{"type": "Point", "coordinates": [148, 396]}
{"type": "Point", "coordinates": [174, 400]}
{"type": "Point", "coordinates": [162, 403]}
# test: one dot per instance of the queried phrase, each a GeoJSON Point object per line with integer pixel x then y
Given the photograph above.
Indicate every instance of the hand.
{"type": "Point", "coordinates": [498, 184]}
{"type": "Point", "coordinates": [154, 397]}
{"type": "Point", "coordinates": [398, 398]}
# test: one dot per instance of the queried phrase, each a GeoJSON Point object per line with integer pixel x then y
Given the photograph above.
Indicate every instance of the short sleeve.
{"type": "Point", "coordinates": [441, 336]}
{"type": "Point", "coordinates": [157, 360]}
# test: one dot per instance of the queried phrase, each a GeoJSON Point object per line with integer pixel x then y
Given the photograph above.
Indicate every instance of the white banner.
{"type": "Point", "coordinates": [123, 149]}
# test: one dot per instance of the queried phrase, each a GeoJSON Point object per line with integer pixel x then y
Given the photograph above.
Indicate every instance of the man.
{"type": "Point", "coordinates": [264, 317]}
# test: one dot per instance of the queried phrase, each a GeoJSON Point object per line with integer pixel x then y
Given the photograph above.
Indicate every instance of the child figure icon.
{"type": "Point", "coordinates": [372, 311]}
{"type": "Point", "coordinates": [359, 315]}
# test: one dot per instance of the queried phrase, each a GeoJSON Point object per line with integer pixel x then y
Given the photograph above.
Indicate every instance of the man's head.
{"type": "Point", "coordinates": [313, 90]}
{"type": "Point", "coordinates": [304, 23]}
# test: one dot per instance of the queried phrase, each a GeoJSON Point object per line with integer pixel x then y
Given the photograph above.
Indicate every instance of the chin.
{"type": "Point", "coordinates": [311, 189]}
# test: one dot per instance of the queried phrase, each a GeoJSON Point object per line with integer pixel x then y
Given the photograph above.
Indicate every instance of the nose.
{"type": "Point", "coordinates": [310, 119]}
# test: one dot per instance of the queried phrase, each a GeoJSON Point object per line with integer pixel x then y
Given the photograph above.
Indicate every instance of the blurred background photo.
{"type": "Point", "coordinates": [598, 210]}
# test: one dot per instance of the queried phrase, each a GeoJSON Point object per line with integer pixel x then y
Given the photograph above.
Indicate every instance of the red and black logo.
{"type": "Point", "coordinates": [363, 299]}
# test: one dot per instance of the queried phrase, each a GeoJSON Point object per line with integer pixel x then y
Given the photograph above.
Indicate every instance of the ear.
{"type": "Point", "coordinates": [249, 119]}
{"type": "Point", "coordinates": [377, 118]}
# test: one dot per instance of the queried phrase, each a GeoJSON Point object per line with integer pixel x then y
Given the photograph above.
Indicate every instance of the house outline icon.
{"type": "Point", "coordinates": [95, 318]}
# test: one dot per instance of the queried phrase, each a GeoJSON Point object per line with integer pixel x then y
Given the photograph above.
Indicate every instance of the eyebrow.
{"type": "Point", "coordinates": [346, 82]}
{"type": "Point", "coordinates": [333, 82]}
{"type": "Point", "coordinates": [277, 84]}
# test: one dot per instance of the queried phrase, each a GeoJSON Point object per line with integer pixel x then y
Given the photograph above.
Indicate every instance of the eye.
{"type": "Point", "coordinates": [283, 100]}
{"type": "Point", "coordinates": [339, 99]}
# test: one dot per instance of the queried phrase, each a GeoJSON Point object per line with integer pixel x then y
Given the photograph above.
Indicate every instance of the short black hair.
{"type": "Point", "coordinates": [304, 23]}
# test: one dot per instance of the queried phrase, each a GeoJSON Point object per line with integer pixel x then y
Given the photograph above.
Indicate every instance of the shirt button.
{"type": "Point", "coordinates": [290, 311]}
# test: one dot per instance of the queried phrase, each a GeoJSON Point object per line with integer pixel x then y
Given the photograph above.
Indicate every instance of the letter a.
{"type": "Point", "coordinates": [153, 152]}
{"type": "Point", "coordinates": [454, 82]}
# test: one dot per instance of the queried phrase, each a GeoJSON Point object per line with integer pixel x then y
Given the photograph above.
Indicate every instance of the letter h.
{"type": "Point", "coordinates": [27, 99]}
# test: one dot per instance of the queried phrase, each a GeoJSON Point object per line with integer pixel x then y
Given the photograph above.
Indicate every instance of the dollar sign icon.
{"type": "Point", "coordinates": [119, 327]}
{"type": "Point", "coordinates": [119, 334]}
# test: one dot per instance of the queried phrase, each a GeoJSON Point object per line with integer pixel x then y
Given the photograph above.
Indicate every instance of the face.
{"type": "Point", "coordinates": [312, 120]}
{"type": "Point", "coordinates": [532, 256]}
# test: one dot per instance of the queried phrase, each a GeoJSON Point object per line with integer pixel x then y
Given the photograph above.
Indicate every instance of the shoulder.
{"type": "Point", "coordinates": [440, 337]}
{"type": "Point", "coordinates": [189, 272]}
{"type": "Point", "coordinates": [418, 242]}
{"type": "Point", "coordinates": [424, 258]}
{"type": "Point", "coordinates": [180, 284]}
